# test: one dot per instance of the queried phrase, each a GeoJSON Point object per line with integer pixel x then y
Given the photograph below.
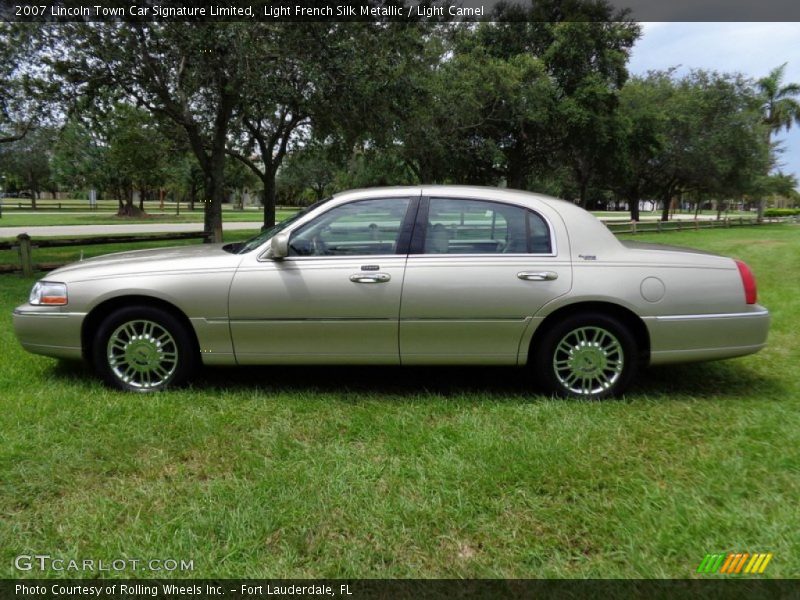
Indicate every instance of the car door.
{"type": "Point", "coordinates": [477, 272]}
{"type": "Point", "coordinates": [336, 297]}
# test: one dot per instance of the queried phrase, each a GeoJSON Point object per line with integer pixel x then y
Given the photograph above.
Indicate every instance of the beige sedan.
{"type": "Point", "coordinates": [433, 275]}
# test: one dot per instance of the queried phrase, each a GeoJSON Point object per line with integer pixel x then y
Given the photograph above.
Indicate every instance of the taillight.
{"type": "Point", "coordinates": [748, 281]}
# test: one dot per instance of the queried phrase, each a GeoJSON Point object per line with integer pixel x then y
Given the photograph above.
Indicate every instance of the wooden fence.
{"type": "Point", "coordinates": [24, 246]}
{"type": "Point", "coordinates": [153, 206]}
{"type": "Point", "coordinates": [635, 227]}
{"type": "Point", "coordinates": [45, 205]}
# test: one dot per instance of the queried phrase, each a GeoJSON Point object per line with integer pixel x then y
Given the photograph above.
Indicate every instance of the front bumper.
{"type": "Point", "coordinates": [48, 331]}
{"type": "Point", "coordinates": [692, 338]}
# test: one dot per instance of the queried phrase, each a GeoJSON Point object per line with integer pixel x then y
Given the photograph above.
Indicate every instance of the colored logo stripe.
{"type": "Point", "coordinates": [734, 563]}
{"type": "Point", "coordinates": [759, 563]}
{"type": "Point", "coordinates": [711, 563]}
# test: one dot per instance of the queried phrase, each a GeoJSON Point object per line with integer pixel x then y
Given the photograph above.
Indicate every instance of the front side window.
{"type": "Point", "coordinates": [458, 226]}
{"type": "Point", "coordinates": [365, 227]}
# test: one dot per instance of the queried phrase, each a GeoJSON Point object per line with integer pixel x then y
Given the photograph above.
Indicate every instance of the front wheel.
{"type": "Point", "coordinates": [589, 356]}
{"type": "Point", "coordinates": [143, 349]}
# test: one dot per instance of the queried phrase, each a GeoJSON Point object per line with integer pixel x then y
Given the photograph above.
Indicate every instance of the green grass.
{"type": "Point", "coordinates": [372, 472]}
{"type": "Point", "coordinates": [11, 219]}
{"type": "Point", "coordinates": [74, 253]}
{"type": "Point", "coordinates": [106, 216]}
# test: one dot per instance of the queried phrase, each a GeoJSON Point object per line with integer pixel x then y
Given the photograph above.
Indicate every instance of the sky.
{"type": "Point", "coordinates": [749, 48]}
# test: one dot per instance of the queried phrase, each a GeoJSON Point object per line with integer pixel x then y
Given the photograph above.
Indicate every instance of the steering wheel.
{"type": "Point", "coordinates": [318, 246]}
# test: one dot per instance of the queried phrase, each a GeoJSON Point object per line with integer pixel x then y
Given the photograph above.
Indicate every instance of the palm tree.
{"type": "Point", "coordinates": [781, 108]}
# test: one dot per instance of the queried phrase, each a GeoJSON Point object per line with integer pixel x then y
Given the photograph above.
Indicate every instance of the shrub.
{"type": "Point", "coordinates": [781, 212]}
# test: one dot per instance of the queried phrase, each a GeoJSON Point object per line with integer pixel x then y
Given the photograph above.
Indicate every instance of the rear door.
{"type": "Point", "coordinates": [477, 273]}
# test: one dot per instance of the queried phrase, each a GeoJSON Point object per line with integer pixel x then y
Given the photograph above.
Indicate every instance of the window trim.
{"type": "Point", "coordinates": [417, 247]}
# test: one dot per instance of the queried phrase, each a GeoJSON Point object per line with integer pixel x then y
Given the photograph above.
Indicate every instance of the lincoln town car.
{"type": "Point", "coordinates": [431, 275]}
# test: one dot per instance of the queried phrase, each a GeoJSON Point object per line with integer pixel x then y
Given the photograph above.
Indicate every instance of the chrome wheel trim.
{"type": "Point", "coordinates": [588, 360]}
{"type": "Point", "coordinates": [142, 354]}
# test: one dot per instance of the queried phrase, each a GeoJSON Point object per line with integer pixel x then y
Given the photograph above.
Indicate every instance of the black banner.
{"type": "Point", "coordinates": [374, 589]}
{"type": "Point", "coordinates": [43, 11]}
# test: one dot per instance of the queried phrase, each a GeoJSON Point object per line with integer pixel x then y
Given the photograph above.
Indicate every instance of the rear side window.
{"type": "Point", "coordinates": [457, 226]}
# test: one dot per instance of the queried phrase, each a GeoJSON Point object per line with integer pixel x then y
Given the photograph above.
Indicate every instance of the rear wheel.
{"type": "Point", "coordinates": [589, 355]}
{"type": "Point", "coordinates": [143, 349]}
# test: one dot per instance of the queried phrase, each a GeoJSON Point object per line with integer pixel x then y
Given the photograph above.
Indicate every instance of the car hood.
{"type": "Point", "coordinates": [180, 258]}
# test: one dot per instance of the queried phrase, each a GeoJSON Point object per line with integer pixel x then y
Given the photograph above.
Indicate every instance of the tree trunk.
{"type": "Point", "coordinates": [515, 176]}
{"type": "Point", "coordinates": [128, 209]}
{"type": "Point", "coordinates": [633, 204]}
{"type": "Point", "coordinates": [667, 200]}
{"type": "Point", "coordinates": [268, 198]}
{"type": "Point", "coordinates": [215, 193]}
{"type": "Point", "coordinates": [141, 199]}
{"type": "Point", "coordinates": [762, 205]}
{"type": "Point", "coordinates": [192, 194]}
{"type": "Point", "coordinates": [584, 185]}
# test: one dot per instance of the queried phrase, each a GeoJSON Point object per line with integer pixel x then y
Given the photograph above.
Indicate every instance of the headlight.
{"type": "Point", "coordinates": [48, 293]}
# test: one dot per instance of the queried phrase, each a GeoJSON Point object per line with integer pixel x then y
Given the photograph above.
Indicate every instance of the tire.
{"type": "Point", "coordinates": [588, 355]}
{"type": "Point", "coordinates": [143, 349]}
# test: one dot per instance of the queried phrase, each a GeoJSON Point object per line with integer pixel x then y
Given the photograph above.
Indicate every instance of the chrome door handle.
{"type": "Point", "coordinates": [537, 275]}
{"type": "Point", "coordinates": [370, 277]}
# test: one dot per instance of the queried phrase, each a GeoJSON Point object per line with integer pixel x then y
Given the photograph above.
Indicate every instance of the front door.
{"type": "Point", "coordinates": [335, 298]}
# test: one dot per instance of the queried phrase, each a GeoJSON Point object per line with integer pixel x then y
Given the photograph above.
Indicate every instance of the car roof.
{"type": "Point", "coordinates": [588, 233]}
{"type": "Point", "coordinates": [531, 199]}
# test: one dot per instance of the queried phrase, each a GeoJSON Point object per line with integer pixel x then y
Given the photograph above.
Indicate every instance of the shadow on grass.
{"type": "Point", "coordinates": [704, 380]}
{"type": "Point", "coordinates": [500, 382]}
{"type": "Point", "coordinates": [724, 379]}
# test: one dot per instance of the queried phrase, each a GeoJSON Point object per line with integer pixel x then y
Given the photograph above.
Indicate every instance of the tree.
{"type": "Point", "coordinates": [640, 123]}
{"type": "Point", "coordinates": [309, 168]}
{"type": "Point", "coordinates": [189, 73]}
{"type": "Point", "coordinates": [312, 80]}
{"type": "Point", "coordinates": [26, 161]}
{"type": "Point", "coordinates": [774, 186]}
{"type": "Point", "coordinates": [582, 48]}
{"type": "Point", "coordinates": [698, 134]}
{"type": "Point", "coordinates": [119, 148]}
{"type": "Point", "coordinates": [80, 158]}
{"type": "Point", "coordinates": [21, 109]}
{"type": "Point", "coordinates": [137, 154]}
{"type": "Point", "coordinates": [184, 178]}
{"type": "Point", "coordinates": [781, 108]}
{"type": "Point", "coordinates": [588, 62]}
{"type": "Point", "coordinates": [476, 118]}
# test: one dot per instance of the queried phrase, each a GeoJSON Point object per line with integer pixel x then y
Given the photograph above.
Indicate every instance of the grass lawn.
{"type": "Point", "coordinates": [368, 472]}
{"type": "Point", "coordinates": [74, 253]}
{"type": "Point", "coordinates": [11, 219]}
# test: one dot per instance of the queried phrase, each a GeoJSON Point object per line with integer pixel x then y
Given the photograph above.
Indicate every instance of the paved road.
{"type": "Point", "coordinates": [76, 230]}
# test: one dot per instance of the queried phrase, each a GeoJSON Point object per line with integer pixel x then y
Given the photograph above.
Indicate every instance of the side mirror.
{"type": "Point", "coordinates": [280, 246]}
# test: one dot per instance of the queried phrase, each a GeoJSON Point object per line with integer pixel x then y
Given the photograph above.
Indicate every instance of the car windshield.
{"type": "Point", "coordinates": [255, 242]}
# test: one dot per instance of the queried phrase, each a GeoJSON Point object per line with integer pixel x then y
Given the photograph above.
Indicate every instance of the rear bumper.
{"type": "Point", "coordinates": [42, 330]}
{"type": "Point", "coordinates": [691, 338]}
